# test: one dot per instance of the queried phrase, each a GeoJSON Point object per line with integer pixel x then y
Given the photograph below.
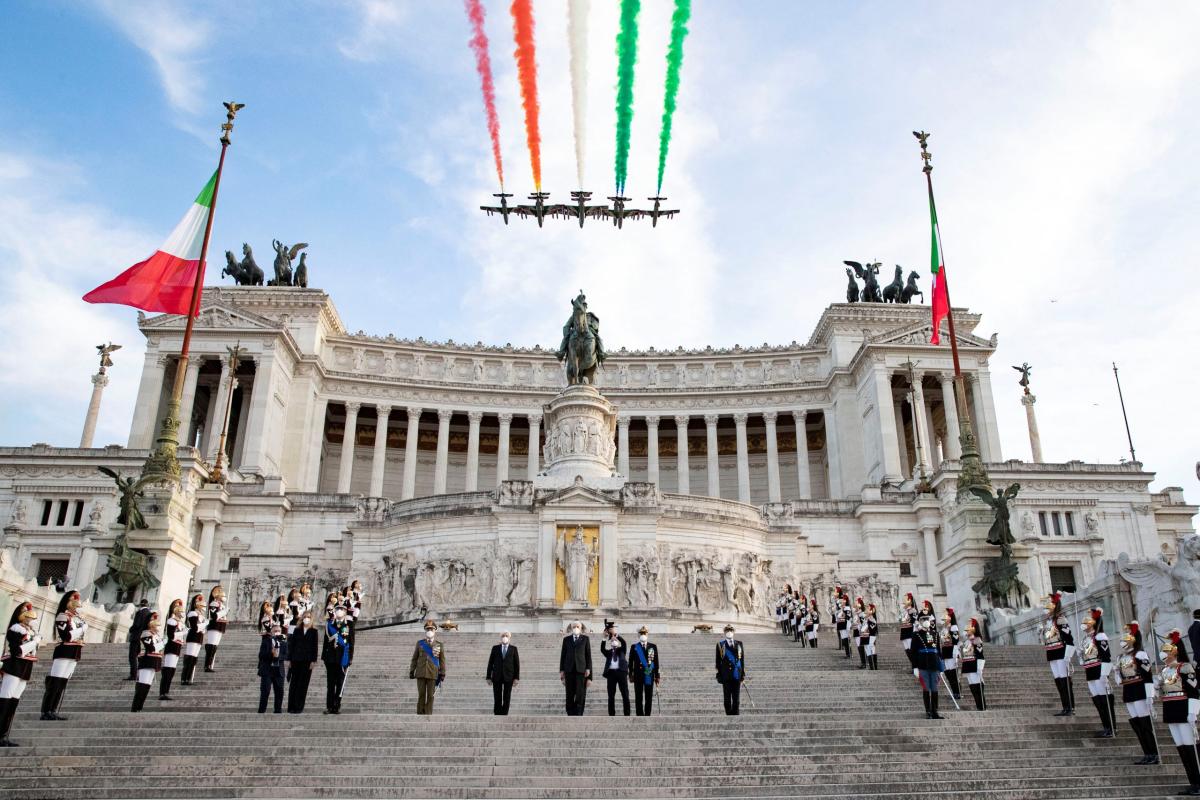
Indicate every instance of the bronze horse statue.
{"type": "Point", "coordinates": [245, 273]}
{"type": "Point", "coordinates": [891, 292]}
{"type": "Point", "coordinates": [911, 289]}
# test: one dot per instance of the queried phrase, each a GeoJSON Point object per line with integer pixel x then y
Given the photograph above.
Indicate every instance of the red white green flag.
{"type": "Point", "coordinates": [164, 281]}
{"type": "Point", "coordinates": [941, 295]}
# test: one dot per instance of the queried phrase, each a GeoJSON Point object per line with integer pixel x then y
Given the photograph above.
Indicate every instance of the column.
{"type": "Point", "coordinates": [243, 417]}
{"type": "Point", "coordinates": [411, 439]}
{"type": "Point", "coordinates": [623, 446]}
{"type": "Point", "coordinates": [85, 571]}
{"type": "Point", "coordinates": [99, 381]}
{"type": "Point", "coordinates": [743, 459]}
{"type": "Point", "coordinates": [714, 456]}
{"type": "Point", "coordinates": [652, 449]}
{"type": "Point", "coordinates": [950, 410]}
{"type": "Point", "coordinates": [979, 420]}
{"type": "Point", "coordinates": [443, 451]}
{"type": "Point", "coordinates": [346, 464]}
{"type": "Point", "coordinates": [832, 455]}
{"type": "Point", "coordinates": [773, 493]}
{"type": "Point", "coordinates": [681, 454]}
{"type": "Point", "coordinates": [931, 571]}
{"type": "Point", "coordinates": [535, 438]}
{"type": "Point", "coordinates": [1035, 440]}
{"type": "Point", "coordinates": [145, 416]}
{"type": "Point", "coordinates": [920, 418]}
{"type": "Point", "coordinates": [473, 420]}
{"type": "Point", "coordinates": [933, 457]}
{"type": "Point", "coordinates": [802, 473]}
{"type": "Point", "coordinates": [254, 439]}
{"type": "Point", "coordinates": [379, 457]}
{"type": "Point", "coordinates": [208, 530]}
{"type": "Point", "coordinates": [502, 448]}
{"type": "Point", "coordinates": [889, 439]}
{"type": "Point", "coordinates": [188, 401]}
{"type": "Point", "coordinates": [983, 380]}
{"type": "Point", "coordinates": [216, 413]}
{"type": "Point", "coordinates": [312, 480]}
{"type": "Point", "coordinates": [902, 439]}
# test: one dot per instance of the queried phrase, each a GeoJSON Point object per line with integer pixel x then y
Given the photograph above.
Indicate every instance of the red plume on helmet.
{"type": "Point", "coordinates": [973, 625]}
{"type": "Point", "coordinates": [23, 608]}
{"type": "Point", "coordinates": [950, 614]}
{"type": "Point", "coordinates": [1098, 619]}
{"type": "Point", "coordinates": [1181, 653]}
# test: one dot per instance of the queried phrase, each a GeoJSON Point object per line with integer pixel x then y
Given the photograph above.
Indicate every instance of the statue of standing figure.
{"type": "Point", "coordinates": [578, 560]}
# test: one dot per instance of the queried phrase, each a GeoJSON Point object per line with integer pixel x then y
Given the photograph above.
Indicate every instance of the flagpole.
{"type": "Point", "coordinates": [163, 463]}
{"type": "Point", "coordinates": [972, 471]}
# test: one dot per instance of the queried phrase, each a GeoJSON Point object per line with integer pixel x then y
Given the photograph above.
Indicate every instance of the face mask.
{"type": "Point", "coordinates": [729, 636]}
{"type": "Point", "coordinates": [307, 623]}
{"type": "Point", "coordinates": [643, 638]}
{"type": "Point", "coordinates": [340, 615]}
{"type": "Point", "coordinates": [503, 640]}
{"type": "Point", "coordinates": [429, 634]}
{"type": "Point", "coordinates": [576, 631]}
{"type": "Point", "coordinates": [1162, 656]}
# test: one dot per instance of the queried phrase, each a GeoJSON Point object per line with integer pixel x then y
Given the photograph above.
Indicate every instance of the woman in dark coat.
{"type": "Point", "coordinates": [302, 648]}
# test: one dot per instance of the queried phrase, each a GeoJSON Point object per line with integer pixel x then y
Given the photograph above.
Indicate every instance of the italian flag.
{"type": "Point", "coordinates": [164, 281]}
{"type": "Point", "coordinates": [941, 295]}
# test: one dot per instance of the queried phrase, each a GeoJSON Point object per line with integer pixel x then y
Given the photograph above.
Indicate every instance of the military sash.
{"type": "Point", "coordinates": [428, 648]}
{"type": "Point", "coordinates": [647, 667]}
{"type": "Point", "coordinates": [735, 663]}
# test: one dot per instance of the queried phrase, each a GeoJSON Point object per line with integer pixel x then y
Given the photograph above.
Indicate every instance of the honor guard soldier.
{"type": "Point", "coordinates": [295, 612]}
{"type": "Point", "coordinates": [731, 670]}
{"type": "Point", "coordinates": [614, 651]}
{"type": "Point", "coordinates": [20, 654]}
{"type": "Point", "coordinates": [813, 624]}
{"type": "Point", "coordinates": [197, 625]}
{"type": "Point", "coordinates": [871, 625]}
{"type": "Point", "coordinates": [971, 662]}
{"type": "Point", "coordinates": [861, 633]}
{"type": "Point", "coordinates": [1180, 694]}
{"type": "Point", "coordinates": [428, 667]}
{"type": "Point", "coordinates": [281, 611]}
{"type": "Point", "coordinates": [575, 668]}
{"type": "Point", "coordinates": [149, 662]}
{"type": "Point", "coordinates": [908, 618]}
{"type": "Point", "coordinates": [1095, 656]}
{"type": "Point", "coordinates": [801, 620]}
{"type": "Point", "coordinates": [781, 610]}
{"type": "Point", "coordinates": [645, 672]}
{"type": "Point", "coordinates": [218, 615]}
{"type": "Point", "coordinates": [927, 661]}
{"type": "Point", "coordinates": [1137, 686]}
{"type": "Point", "coordinates": [174, 635]}
{"type": "Point", "coordinates": [503, 673]}
{"type": "Point", "coordinates": [69, 630]}
{"type": "Point", "coordinates": [266, 618]}
{"type": "Point", "coordinates": [306, 600]}
{"type": "Point", "coordinates": [1059, 644]}
{"type": "Point", "coordinates": [841, 618]}
{"type": "Point", "coordinates": [335, 652]}
{"type": "Point", "coordinates": [949, 650]}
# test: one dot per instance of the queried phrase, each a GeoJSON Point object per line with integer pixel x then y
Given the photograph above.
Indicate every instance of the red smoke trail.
{"type": "Point", "coordinates": [483, 64]}
{"type": "Point", "coordinates": [522, 14]}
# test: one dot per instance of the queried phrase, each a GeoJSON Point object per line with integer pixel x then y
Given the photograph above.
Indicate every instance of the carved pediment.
{"type": "Point", "coordinates": [921, 334]}
{"type": "Point", "coordinates": [217, 315]}
{"type": "Point", "coordinates": [575, 495]}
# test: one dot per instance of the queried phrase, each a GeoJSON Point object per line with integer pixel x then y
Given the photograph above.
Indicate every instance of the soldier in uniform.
{"type": "Point", "coordinates": [1095, 656]}
{"type": "Point", "coordinates": [149, 662]}
{"type": "Point", "coordinates": [861, 633]}
{"type": "Point", "coordinates": [428, 667]}
{"type": "Point", "coordinates": [20, 654]}
{"type": "Point", "coordinates": [645, 671]}
{"type": "Point", "coordinates": [841, 618]}
{"type": "Point", "coordinates": [1060, 644]}
{"type": "Point", "coordinates": [335, 652]}
{"type": "Point", "coordinates": [218, 613]}
{"type": "Point", "coordinates": [295, 611]}
{"type": "Point", "coordinates": [281, 611]}
{"type": "Point", "coordinates": [927, 661]}
{"type": "Point", "coordinates": [949, 647]}
{"type": "Point", "coordinates": [197, 625]}
{"type": "Point", "coordinates": [813, 624]}
{"type": "Point", "coordinates": [801, 620]}
{"type": "Point", "coordinates": [1180, 694]}
{"type": "Point", "coordinates": [69, 629]}
{"type": "Point", "coordinates": [908, 617]}
{"type": "Point", "coordinates": [1137, 686]}
{"type": "Point", "coordinates": [781, 610]}
{"type": "Point", "coordinates": [871, 625]}
{"type": "Point", "coordinates": [971, 661]}
{"type": "Point", "coordinates": [266, 618]}
{"type": "Point", "coordinates": [174, 635]}
{"type": "Point", "coordinates": [731, 670]}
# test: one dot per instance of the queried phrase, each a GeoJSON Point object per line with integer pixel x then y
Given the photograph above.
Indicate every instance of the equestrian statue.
{"type": "Point", "coordinates": [581, 346]}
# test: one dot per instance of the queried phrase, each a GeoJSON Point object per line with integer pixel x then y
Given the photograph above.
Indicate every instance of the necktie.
{"type": "Point", "coordinates": [504, 651]}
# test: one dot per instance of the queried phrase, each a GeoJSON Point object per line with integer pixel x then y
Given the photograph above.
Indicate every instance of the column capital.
{"type": "Point", "coordinates": [383, 411]}
{"type": "Point", "coordinates": [195, 362]}
{"type": "Point", "coordinates": [474, 417]}
{"type": "Point", "coordinates": [444, 414]}
{"type": "Point", "coordinates": [623, 422]}
{"type": "Point", "coordinates": [165, 360]}
{"type": "Point", "coordinates": [100, 379]}
{"type": "Point", "coordinates": [800, 415]}
{"type": "Point", "coordinates": [652, 422]}
{"type": "Point", "coordinates": [740, 419]}
{"type": "Point", "coordinates": [505, 419]}
{"type": "Point", "coordinates": [534, 419]}
{"type": "Point", "coordinates": [414, 412]}
{"type": "Point", "coordinates": [711, 419]}
{"type": "Point", "coordinates": [682, 420]}
{"type": "Point", "coordinates": [946, 377]}
{"type": "Point", "coordinates": [770, 416]}
{"type": "Point", "coordinates": [352, 407]}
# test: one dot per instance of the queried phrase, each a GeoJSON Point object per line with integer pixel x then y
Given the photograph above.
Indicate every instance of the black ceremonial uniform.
{"type": "Point", "coordinates": [731, 671]}
{"type": "Point", "coordinates": [645, 671]}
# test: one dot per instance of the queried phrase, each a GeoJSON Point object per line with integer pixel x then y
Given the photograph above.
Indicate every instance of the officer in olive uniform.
{"type": "Point", "coordinates": [428, 667]}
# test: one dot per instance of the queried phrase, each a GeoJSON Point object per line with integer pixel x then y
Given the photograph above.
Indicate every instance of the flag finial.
{"type": "Point", "coordinates": [923, 138]}
{"type": "Point", "coordinates": [231, 109]}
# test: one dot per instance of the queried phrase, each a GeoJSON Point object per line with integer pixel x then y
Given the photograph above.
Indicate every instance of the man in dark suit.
{"type": "Point", "coordinates": [1194, 634]}
{"type": "Point", "coordinates": [141, 620]}
{"type": "Point", "coordinates": [731, 670]}
{"type": "Point", "coordinates": [575, 668]}
{"type": "Point", "coordinates": [272, 668]}
{"type": "Point", "coordinates": [616, 667]}
{"type": "Point", "coordinates": [503, 673]}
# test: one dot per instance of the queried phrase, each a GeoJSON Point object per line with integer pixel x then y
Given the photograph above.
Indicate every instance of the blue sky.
{"type": "Point", "coordinates": [1065, 143]}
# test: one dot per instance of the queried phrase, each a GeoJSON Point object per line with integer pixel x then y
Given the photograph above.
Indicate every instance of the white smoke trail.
{"type": "Point", "coordinates": [577, 23]}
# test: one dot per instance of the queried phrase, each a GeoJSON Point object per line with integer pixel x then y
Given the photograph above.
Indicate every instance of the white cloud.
{"type": "Point", "coordinates": [175, 40]}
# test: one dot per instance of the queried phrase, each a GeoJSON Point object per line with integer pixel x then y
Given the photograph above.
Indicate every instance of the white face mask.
{"type": "Point", "coordinates": [729, 636]}
{"type": "Point", "coordinates": [306, 622]}
{"type": "Point", "coordinates": [339, 615]}
{"type": "Point", "coordinates": [503, 640]}
{"type": "Point", "coordinates": [576, 631]}
{"type": "Point", "coordinates": [429, 634]}
{"type": "Point", "coordinates": [644, 638]}
{"type": "Point", "coordinates": [1162, 656]}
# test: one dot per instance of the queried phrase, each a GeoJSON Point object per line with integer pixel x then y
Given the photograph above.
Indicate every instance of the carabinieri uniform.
{"type": "Point", "coordinates": [1059, 644]}
{"type": "Point", "coordinates": [69, 630]}
{"type": "Point", "coordinates": [1180, 693]}
{"type": "Point", "coordinates": [971, 662]}
{"type": "Point", "coordinates": [1137, 681]}
{"type": "Point", "coordinates": [1095, 656]}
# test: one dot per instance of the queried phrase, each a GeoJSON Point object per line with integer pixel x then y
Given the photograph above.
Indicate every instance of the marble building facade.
{"type": "Point", "coordinates": [419, 468]}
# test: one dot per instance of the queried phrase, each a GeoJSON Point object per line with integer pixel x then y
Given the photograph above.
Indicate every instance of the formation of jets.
{"type": "Point", "coordinates": [579, 209]}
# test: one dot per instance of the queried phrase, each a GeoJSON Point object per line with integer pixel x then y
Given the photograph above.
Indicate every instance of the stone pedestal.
{"type": "Point", "coordinates": [966, 551]}
{"type": "Point", "coordinates": [581, 427]}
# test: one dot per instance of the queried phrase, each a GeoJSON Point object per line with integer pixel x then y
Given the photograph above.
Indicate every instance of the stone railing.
{"type": "Point", "coordinates": [323, 501]}
{"type": "Point", "coordinates": [442, 505]}
{"type": "Point", "coordinates": [692, 505]}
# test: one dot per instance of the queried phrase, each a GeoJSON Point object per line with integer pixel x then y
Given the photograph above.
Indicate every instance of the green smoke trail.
{"type": "Point", "coordinates": [626, 58]}
{"type": "Point", "coordinates": [679, 21]}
